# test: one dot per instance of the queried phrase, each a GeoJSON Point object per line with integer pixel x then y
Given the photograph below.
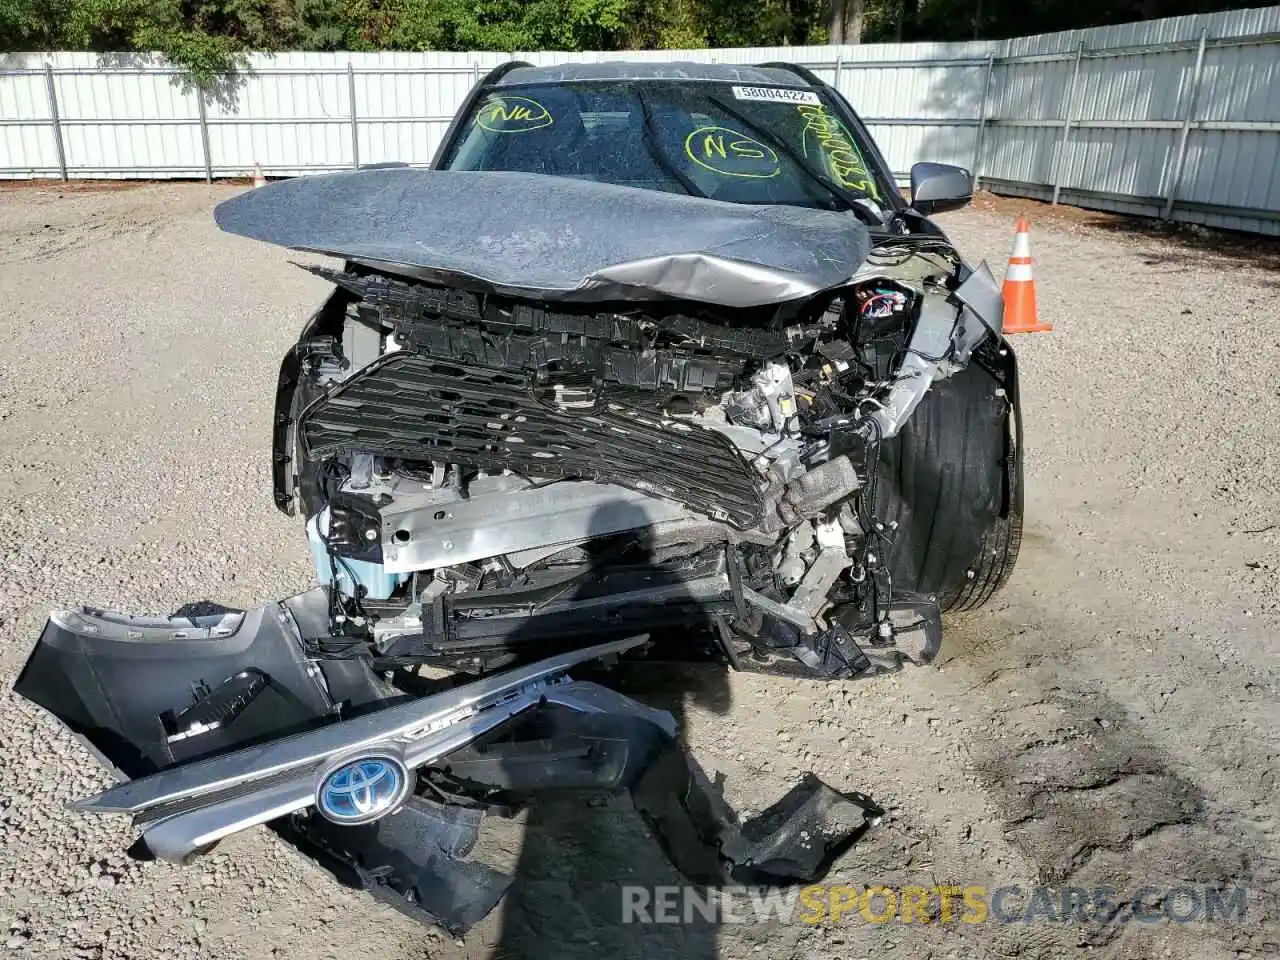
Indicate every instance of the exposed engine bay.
{"type": "Point", "coordinates": [484, 476]}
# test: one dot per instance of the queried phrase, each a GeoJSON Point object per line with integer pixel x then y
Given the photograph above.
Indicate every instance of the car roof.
{"type": "Point", "coordinates": [650, 70]}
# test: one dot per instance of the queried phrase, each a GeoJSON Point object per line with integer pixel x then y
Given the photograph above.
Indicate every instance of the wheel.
{"type": "Point", "coordinates": [952, 481]}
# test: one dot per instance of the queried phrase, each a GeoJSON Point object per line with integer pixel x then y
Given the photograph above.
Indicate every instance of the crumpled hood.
{"type": "Point", "coordinates": [553, 238]}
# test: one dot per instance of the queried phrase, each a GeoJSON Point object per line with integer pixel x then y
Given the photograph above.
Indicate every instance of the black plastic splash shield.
{"type": "Point", "coordinates": [627, 748]}
{"type": "Point", "coordinates": [796, 840]}
{"type": "Point", "coordinates": [411, 861]}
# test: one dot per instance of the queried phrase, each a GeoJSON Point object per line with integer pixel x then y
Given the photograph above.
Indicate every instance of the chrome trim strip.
{"type": "Point", "coordinates": [178, 837]}
{"type": "Point", "coordinates": [406, 723]}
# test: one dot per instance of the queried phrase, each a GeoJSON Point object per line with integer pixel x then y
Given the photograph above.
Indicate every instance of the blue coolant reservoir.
{"type": "Point", "coordinates": [377, 583]}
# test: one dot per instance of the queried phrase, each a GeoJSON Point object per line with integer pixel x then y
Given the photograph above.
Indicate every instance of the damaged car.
{"type": "Point", "coordinates": [653, 361]}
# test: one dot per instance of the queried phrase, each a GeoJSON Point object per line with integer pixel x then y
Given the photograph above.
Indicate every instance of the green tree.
{"type": "Point", "coordinates": [507, 25]}
{"type": "Point", "coordinates": [33, 24]}
{"type": "Point", "coordinates": [322, 25]}
{"type": "Point", "coordinates": [665, 24]}
{"type": "Point", "coordinates": [209, 38]}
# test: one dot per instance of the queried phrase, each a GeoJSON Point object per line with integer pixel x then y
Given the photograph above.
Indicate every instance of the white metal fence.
{"type": "Point", "coordinates": [1177, 118]}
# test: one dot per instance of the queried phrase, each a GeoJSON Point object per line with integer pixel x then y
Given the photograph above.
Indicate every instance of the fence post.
{"type": "Point", "coordinates": [355, 126]}
{"type": "Point", "coordinates": [1175, 182]}
{"type": "Point", "coordinates": [204, 135]}
{"type": "Point", "coordinates": [475, 71]}
{"type": "Point", "coordinates": [982, 121]}
{"type": "Point", "coordinates": [55, 119]}
{"type": "Point", "coordinates": [1066, 124]}
{"type": "Point", "coordinates": [839, 70]}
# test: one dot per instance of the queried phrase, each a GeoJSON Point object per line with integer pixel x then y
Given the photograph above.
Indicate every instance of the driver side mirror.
{"type": "Point", "coordinates": [936, 187]}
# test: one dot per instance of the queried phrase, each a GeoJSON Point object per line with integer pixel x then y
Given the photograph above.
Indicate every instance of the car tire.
{"type": "Point", "coordinates": [951, 481]}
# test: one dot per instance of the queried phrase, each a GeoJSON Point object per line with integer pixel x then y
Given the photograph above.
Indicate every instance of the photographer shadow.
{"type": "Point", "coordinates": [588, 865]}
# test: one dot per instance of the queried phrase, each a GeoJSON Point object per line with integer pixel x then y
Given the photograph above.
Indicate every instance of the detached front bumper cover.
{"type": "Point", "coordinates": [223, 722]}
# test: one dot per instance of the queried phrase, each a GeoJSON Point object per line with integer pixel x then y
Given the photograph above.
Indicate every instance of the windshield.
{"type": "Point", "coordinates": [743, 144]}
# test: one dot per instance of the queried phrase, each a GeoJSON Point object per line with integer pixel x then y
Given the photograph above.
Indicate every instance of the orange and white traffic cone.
{"type": "Point", "coordinates": [1020, 287]}
{"type": "Point", "coordinates": [258, 179]}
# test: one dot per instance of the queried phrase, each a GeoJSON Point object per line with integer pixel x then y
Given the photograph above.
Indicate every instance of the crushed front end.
{"type": "Point", "coordinates": [487, 473]}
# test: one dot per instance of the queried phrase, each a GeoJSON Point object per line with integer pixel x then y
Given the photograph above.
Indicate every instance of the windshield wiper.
{"type": "Point", "coordinates": [849, 200]}
{"type": "Point", "coordinates": [659, 156]}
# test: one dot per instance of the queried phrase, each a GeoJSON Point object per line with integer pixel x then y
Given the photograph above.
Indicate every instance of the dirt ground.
{"type": "Point", "coordinates": [1112, 719]}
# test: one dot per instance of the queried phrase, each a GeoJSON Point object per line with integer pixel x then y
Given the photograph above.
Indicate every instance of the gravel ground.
{"type": "Point", "coordinates": [1111, 719]}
